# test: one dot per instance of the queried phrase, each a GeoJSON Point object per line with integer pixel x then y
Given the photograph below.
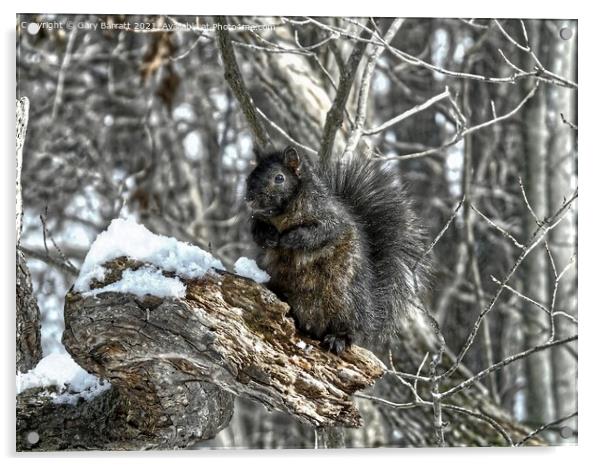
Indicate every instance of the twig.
{"type": "Point", "coordinates": [284, 134]}
{"type": "Point", "coordinates": [483, 417]}
{"type": "Point", "coordinates": [497, 227]}
{"type": "Point", "coordinates": [460, 135]}
{"type": "Point", "coordinates": [436, 397]}
{"type": "Point", "coordinates": [471, 23]}
{"type": "Point", "coordinates": [567, 122]}
{"type": "Point", "coordinates": [545, 427]}
{"type": "Point", "coordinates": [46, 234]}
{"type": "Point", "coordinates": [535, 303]}
{"type": "Point", "coordinates": [440, 234]}
{"type": "Point", "coordinates": [540, 71]}
{"type": "Point", "coordinates": [49, 259]}
{"type": "Point", "coordinates": [554, 294]}
{"type": "Point", "coordinates": [526, 199]}
{"type": "Point", "coordinates": [458, 409]}
{"type": "Point", "coordinates": [538, 236]}
{"type": "Point", "coordinates": [408, 113]}
{"type": "Point", "coordinates": [58, 96]}
{"type": "Point", "coordinates": [524, 48]}
{"type": "Point", "coordinates": [504, 362]}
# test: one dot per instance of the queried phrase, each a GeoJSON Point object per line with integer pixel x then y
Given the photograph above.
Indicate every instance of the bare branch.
{"type": "Point", "coordinates": [235, 80]}
{"type": "Point", "coordinates": [334, 118]}
{"type": "Point", "coordinates": [364, 92]}
{"type": "Point", "coordinates": [413, 111]}
{"type": "Point", "coordinates": [545, 427]}
{"type": "Point", "coordinates": [510, 359]}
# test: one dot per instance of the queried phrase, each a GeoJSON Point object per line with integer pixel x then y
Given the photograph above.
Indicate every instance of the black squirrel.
{"type": "Point", "coordinates": [341, 243]}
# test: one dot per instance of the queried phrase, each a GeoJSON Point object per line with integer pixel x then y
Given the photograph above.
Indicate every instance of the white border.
{"type": "Point", "coordinates": [590, 175]}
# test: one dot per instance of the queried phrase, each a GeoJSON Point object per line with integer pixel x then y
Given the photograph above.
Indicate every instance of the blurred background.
{"type": "Point", "coordinates": [141, 122]}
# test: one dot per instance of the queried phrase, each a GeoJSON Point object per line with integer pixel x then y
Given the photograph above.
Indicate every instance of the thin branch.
{"type": "Point", "coordinates": [526, 199]}
{"type": "Point", "coordinates": [461, 134]}
{"type": "Point", "coordinates": [364, 92]}
{"type": "Point", "coordinates": [540, 71]}
{"type": "Point", "coordinates": [46, 234]}
{"type": "Point", "coordinates": [498, 228]}
{"type": "Point", "coordinates": [545, 427]}
{"type": "Point", "coordinates": [408, 113]}
{"type": "Point", "coordinates": [448, 407]}
{"type": "Point", "coordinates": [524, 48]}
{"type": "Point", "coordinates": [483, 417]}
{"type": "Point", "coordinates": [58, 96]}
{"type": "Point", "coordinates": [50, 260]}
{"type": "Point", "coordinates": [235, 80]}
{"type": "Point", "coordinates": [284, 134]}
{"type": "Point", "coordinates": [334, 117]}
{"type": "Point", "coordinates": [548, 225]}
{"type": "Point", "coordinates": [440, 234]}
{"type": "Point", "coordinates": [504, 362]}
{"type": "Point", "coordinates": [567, 122]}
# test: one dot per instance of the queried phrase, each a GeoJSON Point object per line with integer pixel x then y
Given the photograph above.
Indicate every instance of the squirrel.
{"type": "Point", "coordinates": [342, 245]}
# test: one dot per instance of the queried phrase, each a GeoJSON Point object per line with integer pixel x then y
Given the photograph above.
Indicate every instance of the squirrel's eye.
{"type": "Point", "coordinates": [279, 178]}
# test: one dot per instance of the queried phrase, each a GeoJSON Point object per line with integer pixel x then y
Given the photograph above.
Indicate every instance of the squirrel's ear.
{"type": "Point", "coordinates": [257, 152]}
{"type": "Point", "coordinates": [292, 159]}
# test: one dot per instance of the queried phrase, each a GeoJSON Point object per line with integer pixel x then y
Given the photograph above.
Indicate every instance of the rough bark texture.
{"type": "Point", "coordinates": [114, 422]}
{"type": "Point", "coordinates": [28, 342]}
{"type": "Point", "coordinates": [229, 331]}
{"type": "Point", "coordinates": [29, 348]}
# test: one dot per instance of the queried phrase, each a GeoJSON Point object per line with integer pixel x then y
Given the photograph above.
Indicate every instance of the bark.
{"type": "Point", "coordinates": [539, 372]}
{"type": "Point", "coordinates": [28, 339]}
{"type": "Point", "coordinates": [562, 177]}
{"type": "Point", "coordinates": [113, 422]}
{"type": "Point", "coordinates": [29, 346]}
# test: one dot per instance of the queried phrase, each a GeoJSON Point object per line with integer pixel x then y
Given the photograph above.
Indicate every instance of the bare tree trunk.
{"type": "Point", "coordinates": [29, 348]}
{"type": "Point", "coordinates": [562, 179]}
{"type": "Point", "coordinates": [539, 371]}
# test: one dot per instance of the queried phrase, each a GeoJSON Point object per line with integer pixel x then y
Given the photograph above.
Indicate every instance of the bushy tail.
{"type": "Point", "coordinates": [373, 192]}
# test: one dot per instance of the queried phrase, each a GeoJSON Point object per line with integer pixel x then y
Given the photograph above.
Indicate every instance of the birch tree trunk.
{"type": "Point", "coordinates": [562, 179]}
{"type": "Point", "coordinates": [539, 371]}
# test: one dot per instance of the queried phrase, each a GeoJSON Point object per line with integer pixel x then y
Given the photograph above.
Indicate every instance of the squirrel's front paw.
{"type": "Point", "coordinates": [291, 240]}
{"type": "Point", "coordinates": [336, 343]}
{"type": "Point", "coordinates": [265, 235]}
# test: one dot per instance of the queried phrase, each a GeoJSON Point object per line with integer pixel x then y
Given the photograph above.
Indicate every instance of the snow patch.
{"type": "Point", "coordinates": [248, 268]}
{"type": "Point", "coordinates": [146, 280]}
{"type": "Point", "coordinates": [125, 237]}
{"type": "Point", "coordinates": [60, 370]}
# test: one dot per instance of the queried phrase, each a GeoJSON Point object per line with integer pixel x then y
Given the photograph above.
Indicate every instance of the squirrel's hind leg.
{"type": "Point", "coordinates": [336, 343]}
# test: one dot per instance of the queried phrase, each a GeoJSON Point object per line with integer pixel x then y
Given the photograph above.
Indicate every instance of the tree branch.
{"type": "Point", "coordinates": [237, 85]}
{"type": "Point", "coordinates": [228, 331]}
{"type": "Point", "coordinates": [334, 118]}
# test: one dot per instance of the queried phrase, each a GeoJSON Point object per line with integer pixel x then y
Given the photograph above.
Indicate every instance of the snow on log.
{"type": "Point", "coordinates": [152, 315]}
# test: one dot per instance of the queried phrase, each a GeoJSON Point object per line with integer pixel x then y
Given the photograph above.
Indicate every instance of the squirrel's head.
{"type": "Point", "coordinates": [274, 182]}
